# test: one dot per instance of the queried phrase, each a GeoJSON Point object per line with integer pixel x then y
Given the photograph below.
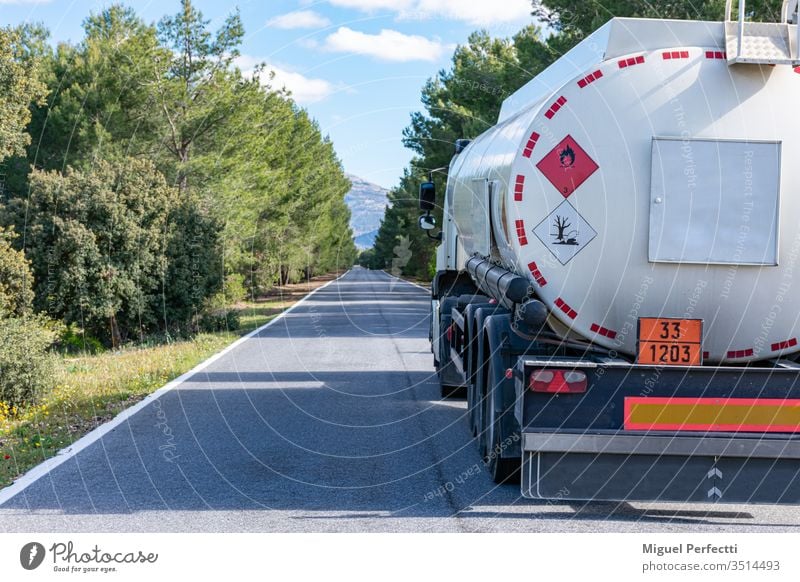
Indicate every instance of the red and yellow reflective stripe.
{"type": "Point", "coordinates": [712, 414]}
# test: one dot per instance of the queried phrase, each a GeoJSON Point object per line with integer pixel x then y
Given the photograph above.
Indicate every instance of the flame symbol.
{"type": "Point", "coordinates": [567, 157]}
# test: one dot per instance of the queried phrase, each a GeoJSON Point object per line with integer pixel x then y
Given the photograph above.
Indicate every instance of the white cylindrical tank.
{"type": "Point", "coordinates": [658, 182]}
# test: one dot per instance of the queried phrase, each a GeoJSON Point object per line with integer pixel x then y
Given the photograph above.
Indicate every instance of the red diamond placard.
{"type": "Point", "coordinates": [567, 166]}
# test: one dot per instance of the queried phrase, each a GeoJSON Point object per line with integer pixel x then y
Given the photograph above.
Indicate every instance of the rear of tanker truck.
{"type": "Point", "coordinates": [615, 288]}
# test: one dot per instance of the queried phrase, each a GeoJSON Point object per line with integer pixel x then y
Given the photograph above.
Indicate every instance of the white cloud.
{"type": "Point", "coordinates": [298, 19]}
{"type": "Point", "coordinates": [304, 89]}
{"type": "Point", "coordinates": [388, 45]}
{"type": "Point", "coordinates": [483, 12]}
{"type": "Point", "coordinates": [372, 5]}
{"type": "Point", "coordinates": [477, 13]}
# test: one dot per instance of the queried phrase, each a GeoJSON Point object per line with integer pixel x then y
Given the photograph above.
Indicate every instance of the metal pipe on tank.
{"type": "Point", "coordinates": [497, 282]}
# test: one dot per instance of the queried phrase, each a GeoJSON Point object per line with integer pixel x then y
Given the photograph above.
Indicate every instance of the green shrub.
{"type": "Point", "coordinates": [194, 266]}
{"type": "Point", "coordinates": [233, 291]}
{"type": "Point", "coordinates": [115, 250]}
{"type": "Point", "coordinates": [26, 366]}
{"type": "Point", "coordinates": [367, 258]}
{"type": "Point", "coordinates": [16, 280]}
{"type": "Point", "coordinates": [74, 340]}
{"type": "Point", "coordinates": [219, 320]}
{"type": "Point", "coordinates": [96, 240]}
{"type": "Point", "coordinates": [234, 288]}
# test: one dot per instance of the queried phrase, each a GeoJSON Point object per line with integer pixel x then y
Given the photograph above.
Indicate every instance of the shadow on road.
{"type": "Point", "coordinates": [290, 421]}
{"type": "Point", "coordinates": [225, 447]}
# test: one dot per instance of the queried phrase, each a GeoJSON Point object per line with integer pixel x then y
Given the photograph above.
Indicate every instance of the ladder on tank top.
{"type": "Point", "coordinates": [763, 43]}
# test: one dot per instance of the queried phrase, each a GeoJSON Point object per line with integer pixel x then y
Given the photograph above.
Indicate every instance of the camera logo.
{"type": "Point", "coordinates": [31, 555]}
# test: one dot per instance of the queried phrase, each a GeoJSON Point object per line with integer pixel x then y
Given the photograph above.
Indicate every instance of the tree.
{"type": "Point", "coordinates": [25, 365]}
{"type": "Point", "coordinates": [16, 294]}
{"type": "Point", "coordinates": [194, 269]}
{"type": "Point", "coordinates": [274, 179]}
{"type": "Point", "coordinates": [260, 187]}
{"type": "Point", "coordinates": [196, 92]}
{"type": "Point", "coordinates": [99, 106]}
{"type": "Point", "coordinates": [21, 86]}
{"type": "Point", "coordinates": [581, 20]}
{"type": "Point", "coordinates": [97, 241]}
{"type": "Point", "coordinates": [562, 224]}
{"type": "Point", "coordinates": [280, 190]}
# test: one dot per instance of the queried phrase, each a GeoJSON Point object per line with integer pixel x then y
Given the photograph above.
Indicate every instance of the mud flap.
{"type": "Point", "coordinates": [748, 474]}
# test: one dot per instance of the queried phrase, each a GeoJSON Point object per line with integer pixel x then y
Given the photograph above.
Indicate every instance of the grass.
{"type": "Point", "coordinates": [91, 390]}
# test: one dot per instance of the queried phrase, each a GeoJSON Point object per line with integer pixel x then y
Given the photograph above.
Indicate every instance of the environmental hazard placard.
{"type": "Point", "coordinates": [564, 232]}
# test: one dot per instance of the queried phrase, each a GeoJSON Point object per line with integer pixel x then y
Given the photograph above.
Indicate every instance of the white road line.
{"type": "Point", "coordinates": [86, 440]}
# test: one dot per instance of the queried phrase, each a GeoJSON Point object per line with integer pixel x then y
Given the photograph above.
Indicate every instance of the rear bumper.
{"type": "Point", "coordinates": [615, 466]}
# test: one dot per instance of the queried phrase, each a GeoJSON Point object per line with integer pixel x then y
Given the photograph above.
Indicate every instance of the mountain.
{"type": "Point", "coordinates": [367, 203]}
{"type": "Point", "coordinates": [366, 240]}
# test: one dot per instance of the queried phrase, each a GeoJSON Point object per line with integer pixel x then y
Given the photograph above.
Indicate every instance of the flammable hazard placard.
{"type": "Point", "coordinates": [567, 166]}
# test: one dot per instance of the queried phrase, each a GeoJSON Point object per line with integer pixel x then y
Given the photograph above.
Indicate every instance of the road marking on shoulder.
{"type": "Point", "coordinates": [89, 438]}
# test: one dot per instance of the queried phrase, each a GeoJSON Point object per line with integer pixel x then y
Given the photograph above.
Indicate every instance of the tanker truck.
{"type": "Point", "coordinates": [615, 289]}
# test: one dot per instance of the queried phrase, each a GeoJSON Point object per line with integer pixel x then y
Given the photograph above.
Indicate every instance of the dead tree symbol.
{"type": "Point", "coordinates": [562, 224]}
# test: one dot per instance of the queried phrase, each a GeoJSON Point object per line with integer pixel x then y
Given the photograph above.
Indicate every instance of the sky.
{"type": "Point", "coordinates": [357, 66]}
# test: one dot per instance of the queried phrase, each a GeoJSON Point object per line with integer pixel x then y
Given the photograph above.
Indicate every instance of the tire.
{"type": "Point", "coordinates": [472, 414]}
{"type": "Point", "coordinates": [476, 401]}
{"type": "Point", "coordinates": [472, 383]}
{"type": "Point", "coordinates": [502, 470]}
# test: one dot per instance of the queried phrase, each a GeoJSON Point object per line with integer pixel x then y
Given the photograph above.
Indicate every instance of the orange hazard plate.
{"type": "Point", "coordinates": [712, 414]}
{"type": "Point", "coordinates": [666, 341]}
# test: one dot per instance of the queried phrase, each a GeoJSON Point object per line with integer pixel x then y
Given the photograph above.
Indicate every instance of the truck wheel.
{"type": "Point", "coordinates": [502, 470]}
{"type": "Point", "coordinates": [476, 401]}
{"type": "Point", "coordinates": [472, 415]}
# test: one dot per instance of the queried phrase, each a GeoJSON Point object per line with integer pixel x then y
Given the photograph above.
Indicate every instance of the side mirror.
{"type": "Point", "coordinates": [427, 196]}
{"type": "Point", "coordinates": [427, 222]}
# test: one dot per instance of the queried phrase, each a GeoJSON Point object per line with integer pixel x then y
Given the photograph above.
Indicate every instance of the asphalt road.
{"type": "Point", "coordinates": [328, 420]}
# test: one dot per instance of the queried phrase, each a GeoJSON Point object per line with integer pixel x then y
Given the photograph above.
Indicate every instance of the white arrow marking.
{"type": "Point", "coordinates": [714, 473]}
{"type": "Point", "coordinates": [714, 492]}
